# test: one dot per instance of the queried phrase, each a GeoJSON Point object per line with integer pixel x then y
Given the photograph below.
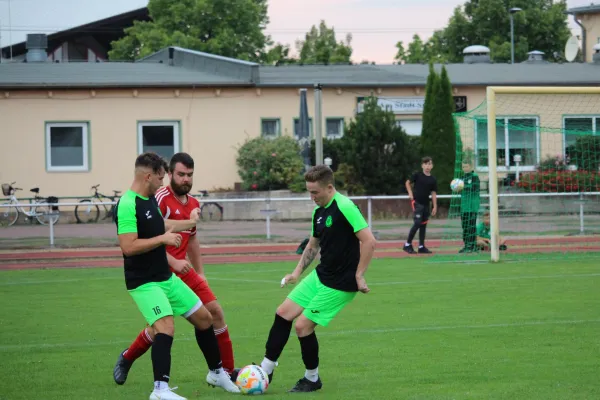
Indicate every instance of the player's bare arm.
{"type": "Point", "coordinates": [195, 255]}
{"type": "Point", "coordinates": [181, 266]}
{"type": "Point", "coordinates": [131, 245]}
{"type": "Point", "coordinates": [179, 226]}
{"type": "Point", "coordinates": [308, 255]}
{"type": "Point", "coordinates": [367, 248]}
{"type": "Point", "coordinates": [434, 200]}
{"type": "Point", "coordinates": [409, 189]}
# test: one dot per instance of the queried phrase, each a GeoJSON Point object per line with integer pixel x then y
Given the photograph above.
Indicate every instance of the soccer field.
{"type": "Point", "coordinates": [514, 330]}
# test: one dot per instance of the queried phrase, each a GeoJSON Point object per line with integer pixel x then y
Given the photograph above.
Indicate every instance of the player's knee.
{"type": "Point", "coordinates": [151, 332]}
{"type": "Point", "coordinates": [289, 310]}
{"type": "Point", "coordinates": [165, 325]}
{"type": "Point", "coordinates": [216, 312]}
{"type": "Point", "coordinates": [304, 327]}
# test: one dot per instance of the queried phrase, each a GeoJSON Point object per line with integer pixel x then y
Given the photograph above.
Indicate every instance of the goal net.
{"type": "Point", "coordinates": [546, 162]}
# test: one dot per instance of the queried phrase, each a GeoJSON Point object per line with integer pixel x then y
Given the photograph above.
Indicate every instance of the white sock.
{"type": "Point", "coordinates": [407, 244]}
{"type": "Point", "coordinates": [312, 374]}
{"type": "Point", "coordinates": [421, 246]}
{"type": "Point", "coordinates": [268, 365]}
{"type": "Point", "coordinates": [160, 385]}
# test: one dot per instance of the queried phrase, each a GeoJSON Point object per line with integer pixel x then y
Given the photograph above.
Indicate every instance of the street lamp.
{"type": "Point", "coordinates": [512, 11]}
{"type": "Point", "coordinates": [328, 161]}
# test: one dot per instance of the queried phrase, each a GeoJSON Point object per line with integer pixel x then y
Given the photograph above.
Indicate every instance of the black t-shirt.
{"type": "Point", "coordinates": [141, 215]}
{"type": "Point", "coordinates": [424, 185]}
{"type": "Point", "coordinates": [335, 225]}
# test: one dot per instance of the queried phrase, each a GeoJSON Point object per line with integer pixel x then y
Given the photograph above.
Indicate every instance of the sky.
{"type": "Point", "coordinates": [376, 25]}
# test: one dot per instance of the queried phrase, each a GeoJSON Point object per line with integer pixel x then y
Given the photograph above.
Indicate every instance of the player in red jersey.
{"type": "Point", "coordinates": [175, 203]}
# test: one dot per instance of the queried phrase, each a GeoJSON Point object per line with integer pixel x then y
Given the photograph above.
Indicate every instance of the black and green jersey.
{"type": "Point", "coordinates": [335, 225]}
{"type": "Point", "coordinates": [141, 215]}
{"type": "Point", "coordinates": [469, 197]}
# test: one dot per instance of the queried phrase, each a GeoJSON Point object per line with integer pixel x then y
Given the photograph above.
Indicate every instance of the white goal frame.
{"type": "Point", "coordinates": [492, 164]}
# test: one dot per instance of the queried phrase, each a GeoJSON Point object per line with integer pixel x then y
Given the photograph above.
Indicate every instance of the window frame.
{"type": "Point", "coordinates": [341, 127]}
{"type": "Point", "coordinates": [85, 146]}
{"type": "Point", "coordinates": [508, 168]}
{"type": "Point", "coordinates": [176, 133]}
{"type": "Point", "coordinates": [311, 131]}
{"type": "Point", "coordinates": [595, 127]}
{"type": "Point", "coordinates": [278, 131]}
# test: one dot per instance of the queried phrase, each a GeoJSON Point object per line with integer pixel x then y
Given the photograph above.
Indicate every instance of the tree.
{"type": "Point", "coordinates": [265, 164]}
{"type": "Point", "coordinates": [279, 54]}
{"type": "Point", "coordinates": [542, 25]}
{"type": "Point", "coordinates": [376, 151]}
{"type": "Point", "coordinates": [321, 47]}
{"type": "Point", "coordinates": [438, 138]}
{"type": "Point", "coordinates": [230, 28]}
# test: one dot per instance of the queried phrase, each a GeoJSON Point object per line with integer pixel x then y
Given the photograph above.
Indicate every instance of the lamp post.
{"type": "Point", "coordinates": [328, 161]}
{"type": "Point", "coordinates": [512, 11]}
{"type": "Point", "coordinates": [517, 159]}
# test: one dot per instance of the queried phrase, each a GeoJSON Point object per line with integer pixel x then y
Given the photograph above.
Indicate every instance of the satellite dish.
{"type": "Point", "coordinates": [571, 48]}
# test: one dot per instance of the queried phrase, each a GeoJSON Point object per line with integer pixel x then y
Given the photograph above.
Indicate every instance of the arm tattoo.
{"type": "Point", "coordinates": [307, 257]}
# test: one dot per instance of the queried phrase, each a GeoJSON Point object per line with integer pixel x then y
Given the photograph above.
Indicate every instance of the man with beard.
{"type": "Point", "coordinates": [176, 204]}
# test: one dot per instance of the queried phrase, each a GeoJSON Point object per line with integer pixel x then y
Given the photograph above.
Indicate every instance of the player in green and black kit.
{"type": "Point", "coordinates": [347, 245]}
{"type": "Point", "coordinates": [469, 207]}
{"type": "Point", "coordinates": [158, 293]}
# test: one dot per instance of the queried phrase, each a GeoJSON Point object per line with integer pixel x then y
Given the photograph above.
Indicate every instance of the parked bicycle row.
{"type": "Point", "coordinates": [89, 210]}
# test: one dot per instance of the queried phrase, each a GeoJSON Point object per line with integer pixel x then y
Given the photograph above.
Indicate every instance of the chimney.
{"type": "Point", "coordinates": [477, 55]}
{"type": "Point", "coordinates": [36, 45]}
{"type": "Point", "coordinates": [596, 55]}
{"type": "Point", "coordinates": [535, 57]}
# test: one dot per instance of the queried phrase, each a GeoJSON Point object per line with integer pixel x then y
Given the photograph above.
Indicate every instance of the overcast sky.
{"type": "Point", "coordinates": [376, 25]}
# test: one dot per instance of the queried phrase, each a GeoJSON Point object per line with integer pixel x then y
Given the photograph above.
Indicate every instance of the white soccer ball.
{"type": "Point", "coordinates": [252, 379]}
{"type": "Point", "coordinates": [457, 185]}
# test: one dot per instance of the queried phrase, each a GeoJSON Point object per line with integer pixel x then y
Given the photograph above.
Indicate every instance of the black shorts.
{"type": "Point", "coordinates": [420, 213]}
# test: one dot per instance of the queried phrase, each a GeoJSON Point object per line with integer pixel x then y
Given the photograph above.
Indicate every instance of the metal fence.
{"type": "Point", "coordinates": [579, 211]}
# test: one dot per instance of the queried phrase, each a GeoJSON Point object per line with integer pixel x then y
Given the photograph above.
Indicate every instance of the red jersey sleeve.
{"type": "Point", "coordinates": [161, 198]}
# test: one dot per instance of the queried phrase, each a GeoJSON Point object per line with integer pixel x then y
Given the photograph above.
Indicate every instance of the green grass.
{"type": "Point", "coordinates": [514, 330]}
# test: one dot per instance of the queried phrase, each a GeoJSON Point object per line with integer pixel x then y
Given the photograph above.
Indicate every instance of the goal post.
{"type": "Point", "coordinates": [492, 93]}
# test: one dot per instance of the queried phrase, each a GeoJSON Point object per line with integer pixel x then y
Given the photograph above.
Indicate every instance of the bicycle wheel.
{"type": "Point", "coordinates": [8, 216]}
{"type": "Point", "coordinates": [211, 212]}
{"type": "Point", "coordinates": [87, 212]}
{"type": "Point", "coordinates": [45, 214]}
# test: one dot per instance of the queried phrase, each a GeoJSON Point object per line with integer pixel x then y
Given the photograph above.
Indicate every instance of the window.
{"type": "Point", "coordinates": [575, 127]}
{"type": "Point", "coordinates": [270, 128]}
{"type": "Point", "coordinates": [159, 137]}
{"type": "Point", "coordinates": [67, 146]}
{"type": "Point", "coordinates": [513, 136]}
{"type": "Point", "coordinates": [297, 125]}
{"type": "Point", "coordinates": [412, 127]}
{"type": "Point", "coordinates": [334, 128]}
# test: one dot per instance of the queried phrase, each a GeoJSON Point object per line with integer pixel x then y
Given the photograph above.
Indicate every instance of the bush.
{"type": "Point", "coordinates": [559, 182]}
{"type": "Point", "coordinates": [265, 164]}
{"type": "Point", "coordinates": [332, 148]}
{"type": "Point", "coordinates": [585, 153]}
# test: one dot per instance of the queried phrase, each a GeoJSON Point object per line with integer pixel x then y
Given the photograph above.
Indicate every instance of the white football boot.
{"type": "Point", "coordinates": [222, 380]}
{"type": "Point", "coordinates": [165, 394]}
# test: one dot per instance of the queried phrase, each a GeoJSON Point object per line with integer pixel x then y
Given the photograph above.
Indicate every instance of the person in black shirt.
{"type": "Point", "coordinates": [347, 245]}
{"type": "Point", "coordinates": [425, 184]}
{"type": "Point", "coordinates": [158, 293]}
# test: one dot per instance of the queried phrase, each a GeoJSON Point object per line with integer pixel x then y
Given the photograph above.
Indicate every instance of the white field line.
{"type": "Point", "coordinates": [18, 347]}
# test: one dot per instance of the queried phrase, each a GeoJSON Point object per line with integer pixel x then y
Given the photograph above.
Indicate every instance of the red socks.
{"type": "Point", "coordinates": [225, 348]}
{"type": "Point", "coordinates": [139, 346]}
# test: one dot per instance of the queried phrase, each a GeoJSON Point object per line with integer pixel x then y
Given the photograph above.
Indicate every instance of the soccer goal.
{"type": "Point", "coordinates": [531, 180]}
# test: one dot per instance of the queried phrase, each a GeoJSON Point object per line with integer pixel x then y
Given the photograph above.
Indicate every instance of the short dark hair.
{"type": "Point", "coordinates": [319, 173]}
{"type": "Point", "coordinates": [183, 158]}
{"type": "Point", "coordinates": [425, 160]}
{"type": "Point", "coordinates": [151, 160]}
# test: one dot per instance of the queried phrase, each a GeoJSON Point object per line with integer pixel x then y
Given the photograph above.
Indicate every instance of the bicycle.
{"type": "Point", "coordinates": [43, 214]}
{"type": "Point", "coordinates": [87, 211]}
{"type": "Point", "coordinates": [210, 211]}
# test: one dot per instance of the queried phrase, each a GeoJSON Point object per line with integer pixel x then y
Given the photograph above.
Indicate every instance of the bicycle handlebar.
{"type": "Point", "coordinates": [95, 186]}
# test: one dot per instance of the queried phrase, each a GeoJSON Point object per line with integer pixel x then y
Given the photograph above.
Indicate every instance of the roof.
{"type": "Point", "coordinates": [104, 31]}
{"type": "Point", "coordinates": [177, 67]}
{"type": "Point", "coordinates": [592, 8]}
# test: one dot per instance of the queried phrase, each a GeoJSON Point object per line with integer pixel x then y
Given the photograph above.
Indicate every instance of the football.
{"type": "Point", "coordinates": [252, 379]}
{"type": "Point", "coordinates": [457, 185]}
